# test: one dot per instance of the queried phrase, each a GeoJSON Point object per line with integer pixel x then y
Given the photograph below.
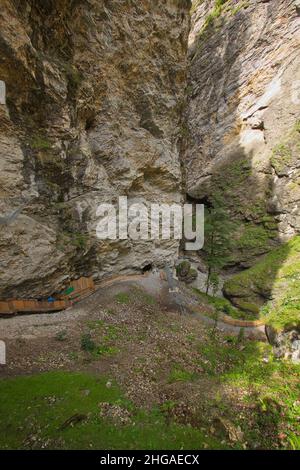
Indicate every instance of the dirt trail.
{"type": "Point", "coordinates": [41, 325]}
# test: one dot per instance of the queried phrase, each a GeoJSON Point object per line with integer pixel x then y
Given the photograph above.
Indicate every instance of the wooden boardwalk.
{"type": "Point", "coordinates": [78, 290]}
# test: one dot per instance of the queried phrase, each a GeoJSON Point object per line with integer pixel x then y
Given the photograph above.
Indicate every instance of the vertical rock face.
{"type": "Point", "coordinates": [94, 97]}
{"type": "Point", "coordinates": [243, 118]}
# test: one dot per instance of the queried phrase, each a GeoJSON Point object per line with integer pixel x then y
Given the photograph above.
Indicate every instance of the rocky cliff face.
{"type": "Point", "coordinates": [243, 143]}
{"type": "Point", "coordinates": [102, 101]}
{"type": "Point", "coordinates": [243, 118]}
{"type": "Point", "coordinates": [94, 98]}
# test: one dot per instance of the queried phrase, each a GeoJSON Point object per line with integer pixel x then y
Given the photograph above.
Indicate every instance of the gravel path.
{"type": "Point", "coordinates": [42, 325]}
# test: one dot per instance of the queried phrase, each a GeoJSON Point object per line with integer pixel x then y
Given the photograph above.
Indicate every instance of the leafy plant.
{"type": "Point", "coordinates": [87, 344]}
{"type": "Point", "coordinates": [61, 336]}
{"type": "Point", "coordinates": [218, 241]}
{"type": "Point", "coordinates": [123, 298]}
{"type": "Point", "coordinates": [39, 142]}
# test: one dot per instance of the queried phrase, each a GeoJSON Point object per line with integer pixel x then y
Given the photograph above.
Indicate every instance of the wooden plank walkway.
{"type": "Point", "coordinates": [80, 289]}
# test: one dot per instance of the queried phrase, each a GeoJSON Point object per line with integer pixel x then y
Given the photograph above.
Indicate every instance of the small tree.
{"type": "Point", "coordinates": [218, 241]}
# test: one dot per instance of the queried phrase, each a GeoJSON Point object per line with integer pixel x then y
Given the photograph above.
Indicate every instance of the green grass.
{"type": "Point", "coordinates": [104, 345]}
{"type": "Point", "coordinates": [287, 151]}
{"type": "Point", "coordinates": [223, 305]}
{"type": "Point", "coordinates": [270, 388]}
{"type": "Point", "coordinates": [39, 142]}
{"type": "Point", "coordinates": [277, 276]}
{"type": "Point", "coordinates": [143, 296]}
{"type": "Point", "coordinates": [253, 236]}
{"type": "Point", "coordinates": [281, 157]}
{"type": "Point", "coordinates": [123, 298]}
{"type": "Point", "coordinates": [178, 374]}
{"type": "Point", "coordinates": [33, 410]}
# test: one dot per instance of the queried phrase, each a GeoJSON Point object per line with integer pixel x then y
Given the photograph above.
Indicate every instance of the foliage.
{"type": "Point", "coordinates": [218, 240]}
{"type": "Point", "coordinates": [123, 298]}
{"type": "Point", "coordinates": [277, 277]}
{"type": "Point", "coordinates": [34, 409]}
{"type": "Point", "coordinates": [281, 157]}
{"type": "Point", "coordinates": [61, 336]}
{"type": "Point", "coordinates": [40, 142]}
{"type": "Point", "coordinates": [178, 374]}
{"type": "Point", "coordinates": [74, 76]}
{"type": "Point", "coordinates": [87, 344]}
{"type": "Point", "coordinates": [223, 305]}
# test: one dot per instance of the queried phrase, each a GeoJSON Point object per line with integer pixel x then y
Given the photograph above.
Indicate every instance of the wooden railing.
{"type": "Point", "coordinates": [79, 290]}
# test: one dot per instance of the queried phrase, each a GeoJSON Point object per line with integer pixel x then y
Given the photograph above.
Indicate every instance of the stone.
{"type": "Point", "coordinates": [92, 113]}
{"type": "Point", "coordinates": [185, 272]}
{"type": "Point", "coordinates": [144, 101]}
{"type": "Point", "coordinates": [240, 114]}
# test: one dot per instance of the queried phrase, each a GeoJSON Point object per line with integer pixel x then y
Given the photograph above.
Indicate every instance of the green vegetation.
{"type": "Point", "coordinates": [276, 277]}
{"type": "Point", "coordinates": [103, 344]}
{"type": "Point", "coordinates": [39, 142]}
{"type": "Point", "coordinates": [235, 10]}
{"type": "Point", "coordinates": [271, 390]}
{"type": "Point", "coordinates": [218, 239]}
{"type": "Point", "coordinates": [61, 410]}
{"type": "Point", "coordinates": [61, 336]}
{"type": "Point", "coordinates": [143, 296]}
{"type": "Point", "coordinates": [220, 6]}
{"type": "Point", "coordinates": [123, 298]}
{"type": "Point", "coordinates": [253, 236]}
{"type": "Point", "coordinates": [87, 344]}
{"type": "Point", "coordinates": [281, 157]}
{"type": "Point", "coordinates": [286, 151]}
{"type": "Point", "coordinates": [72, 239]}
{"type": "Point", "coordinates": [220, 379]}
{"type": "Point", "coordinates": [80, 240]}
{"type": "Point", "coordinates": [214, 14]}
{"type": "Point", "coordinates": [297, 126]}
{"type": "Point", "coordinates": [74, 76]}
{"type": "Point", "coordinates": [223, 305]}
{"type": "Point", "coordinates": [178, 374]}
{"type": "Point", "coordinates": [185, 272]}
{"type": "Point", "coordinates": [195, 5]}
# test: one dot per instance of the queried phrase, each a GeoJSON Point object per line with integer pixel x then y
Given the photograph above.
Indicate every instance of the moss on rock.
{"type": "Point", "coordinates": [273, 284]}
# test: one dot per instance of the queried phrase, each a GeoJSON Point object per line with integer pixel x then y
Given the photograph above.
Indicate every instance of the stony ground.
{"type": "Point", "coordinates": [200, 377]}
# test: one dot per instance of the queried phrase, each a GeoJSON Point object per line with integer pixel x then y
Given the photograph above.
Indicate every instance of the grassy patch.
{"type": "Point", "coordinates": [102, 343]}
{"type": "Point", "coordinates": [123, 298]}
{"type": "Point", "coordinates": [268, 388]}
{"type": "Point", "coordinates": [253, 237]}
{"type": "Point", "coordinates": [281, 157]}
{"type": "Point", "coordinates": [143, 296]}
{"type": "Point", "coordinates": [39, 142]}
{"type": "Point", "coordinates": [223, 305]}
{"type": "Point", "coordinates": [87, 344]}
{"type": "Point", "coordinates": [61, 335]}
{"type": "Point", "coordinates": [213, 14]}
{"type": "Point", "coordinates": [34, 412]}
{"type": "Point", "coordinates": [178, 374]}
{"type": "Point", "coordinates": [276, 277]}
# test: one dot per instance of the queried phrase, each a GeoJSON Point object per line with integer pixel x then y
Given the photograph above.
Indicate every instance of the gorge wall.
{"type": "Point", "coordinates": [243, 118]}
{"type": "Point", "coordinates": [150, 100]}
{"type": "Point", "coordinates": [243, 143]}
{"type": "Point", "coordinates": [94, 98]}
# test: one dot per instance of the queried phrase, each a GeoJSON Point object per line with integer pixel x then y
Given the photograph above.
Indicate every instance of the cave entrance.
{"type": "Point", "coordinates": [147, 268]}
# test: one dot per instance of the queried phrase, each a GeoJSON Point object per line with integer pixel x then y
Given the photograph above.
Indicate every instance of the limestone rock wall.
{"type": "Point", "coordinates": [243, 118]}
{"type": "Point", "coordinates": [94, 99]}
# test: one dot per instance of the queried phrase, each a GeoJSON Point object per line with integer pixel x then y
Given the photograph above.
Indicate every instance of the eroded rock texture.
{"type": "Point", "coordinates": [243, 118]}
{"type": "Point", "coordinates": [95, 93]}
